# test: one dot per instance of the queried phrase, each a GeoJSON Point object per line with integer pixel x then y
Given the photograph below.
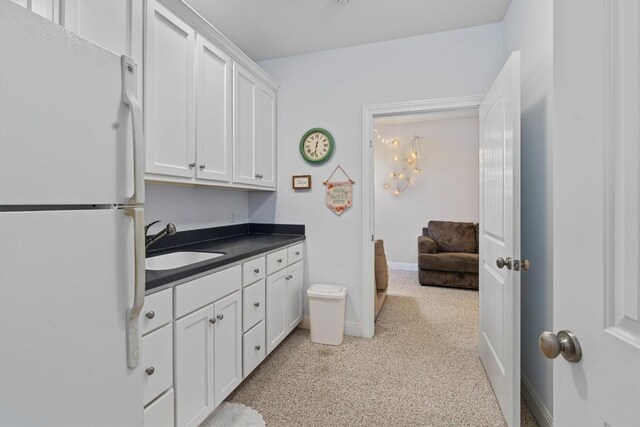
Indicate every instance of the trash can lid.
{"type": "Point", "coordinates": [327, 291]}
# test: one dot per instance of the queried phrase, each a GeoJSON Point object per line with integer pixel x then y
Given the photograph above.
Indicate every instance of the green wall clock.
{"type": "Point", "coordinates": [316, 145]}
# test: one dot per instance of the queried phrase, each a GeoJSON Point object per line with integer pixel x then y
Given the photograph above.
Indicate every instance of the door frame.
{"type": "Point", "coordinates": [369, 113]}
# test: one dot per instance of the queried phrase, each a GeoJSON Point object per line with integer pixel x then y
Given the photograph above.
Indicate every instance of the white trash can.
{"type": "Point", "coordinates": [326, 313]}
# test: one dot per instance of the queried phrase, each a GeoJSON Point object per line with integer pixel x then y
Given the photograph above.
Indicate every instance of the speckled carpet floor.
{"type": "Point", "coordinates": [421, 369]}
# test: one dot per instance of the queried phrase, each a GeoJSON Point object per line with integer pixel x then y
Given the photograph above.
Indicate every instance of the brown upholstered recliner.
{"type": "Point", "coordinates": [448, 254]}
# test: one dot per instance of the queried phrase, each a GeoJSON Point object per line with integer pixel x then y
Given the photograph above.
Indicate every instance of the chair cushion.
{"type": "Point", "coordinates": [456, 262]}
{"type": "Point", "coordinates": [381, 267]}
{"type": "Point", "coordinates": [454, 236]}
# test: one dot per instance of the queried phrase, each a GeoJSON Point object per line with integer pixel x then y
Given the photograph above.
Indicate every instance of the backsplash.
{"type": "Point", "coordinates": [194, 208]}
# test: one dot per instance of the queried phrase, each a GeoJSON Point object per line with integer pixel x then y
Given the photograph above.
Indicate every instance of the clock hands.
{"type": "Point", "coordinates": [316, 150]}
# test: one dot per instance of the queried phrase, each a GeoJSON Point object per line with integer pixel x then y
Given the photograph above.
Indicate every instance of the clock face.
{"type": "Point", "coordinates": [316, 146]}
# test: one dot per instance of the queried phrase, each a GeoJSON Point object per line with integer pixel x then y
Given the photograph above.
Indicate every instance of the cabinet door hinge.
{"type": "Point", "coordinates": [372, 238]}
{"type": "Point", "coordinates": [370, 143]}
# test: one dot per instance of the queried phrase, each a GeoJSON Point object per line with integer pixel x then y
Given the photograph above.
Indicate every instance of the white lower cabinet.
{"type": "Point", "coordinates": [157, 363]}
{"type": "Point", "coordinates": [284, 302]}
{"type": "Point", "coordinates": [227, 345]}
{"type": "Point", "coordinates": [194, 367]}
{"type": "Point", "coordinates": [276, 317]}
{"type": "Point", "coordinates": [295, 296]}
{"type": "Point", "coordinates": [160, 413]}
{"type": "Point", "coordinates": [253, 348]}
{"type": "Point", "coordinates": [203, 337]}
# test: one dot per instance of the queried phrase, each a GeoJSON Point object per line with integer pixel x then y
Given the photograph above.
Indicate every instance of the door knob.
{"type": "Point", "coordinates": [257, 303]}
{"type": "Point", "coordinates": [565, 343]}
{"type": "Point", "coordinates": [150, 371]}
{"type": "Point", "coordinates": [220, 316]}
{"type": "Point", "coordinates": [212, 321]}
{"type": "Point", "coordinates": [202, 166]}
{"type": "Point", "coordinates": [526, 264]}
{"type": "Point", "coordinates": [150, 315]}
{"type": "Point", "coordinates": [501, 262]}
{"type": "Point", "coordinates": [258, 348]}
{"type": "Point", "coordinates": [192, 165]}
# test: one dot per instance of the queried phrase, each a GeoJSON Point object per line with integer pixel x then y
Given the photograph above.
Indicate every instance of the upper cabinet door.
{"type": "Point", "coordinates": [244, 132]}
{"type": "Point", "coordinates": [265, 136]}
{"type": "Point", "coordinates": [169, 93]}
{"type": "Point", "coordinates": [49, 9]}
{"type": "Point", "coordinates": [213, 112]}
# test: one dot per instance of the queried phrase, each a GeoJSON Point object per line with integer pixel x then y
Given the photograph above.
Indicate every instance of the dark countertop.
{"type": "Point", "coordinates": [251, 240]}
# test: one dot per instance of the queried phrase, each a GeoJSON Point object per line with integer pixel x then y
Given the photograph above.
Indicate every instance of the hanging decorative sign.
{"type": "Point", "coordinates": [339, 193]}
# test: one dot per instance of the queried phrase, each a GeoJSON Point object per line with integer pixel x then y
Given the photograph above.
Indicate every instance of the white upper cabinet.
{"type": "Point", "coordinates": [49, 9]}
{"type": "Point", "coordinates": [213, 112]}
{"type": "Point", "coordinates": [244, 134]}
{"type": "Point", "coordinates": [254, 130]}
{"type": "Point", "coordinates": [266, 136]}
{"type": "Point", "coordinates": [169, 93]}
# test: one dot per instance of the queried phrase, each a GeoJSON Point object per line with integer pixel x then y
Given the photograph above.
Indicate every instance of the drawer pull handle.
{"type": "Point", "coordinates": [150, 315]}
{"type": "Point", "coordinates": [279, 260]}
{"type": "Point", "coordinates": [150, 370]}
{"type": "Point", "coordinates": [212, 321]}
{"type": "Point", "coordinates": [220, 316]}
{"type": "Point", "coordinates": [297, 252]}
{"type": "Point", "coordinates": [256, 270]}
{"type": "Point", "coordinates": [257, 304]}
{"type": "Point", "coordinates": [258, 348]}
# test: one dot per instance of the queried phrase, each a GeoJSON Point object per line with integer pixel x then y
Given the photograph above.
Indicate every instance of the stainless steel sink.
{"type": "Point", "coordinates": [179, 259]}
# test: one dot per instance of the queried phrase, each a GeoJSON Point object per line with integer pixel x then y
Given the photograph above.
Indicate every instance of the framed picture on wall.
{"type": "Point", "coordinates": [301, 182]}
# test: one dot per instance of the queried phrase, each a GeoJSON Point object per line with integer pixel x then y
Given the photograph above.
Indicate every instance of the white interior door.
{"type": "Point", "coordinates": [597, 210]}
{"type": "Point", "coordinates": [500, 238]}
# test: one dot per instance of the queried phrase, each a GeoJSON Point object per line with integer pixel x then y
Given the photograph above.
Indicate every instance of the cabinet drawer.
{"type": "Point", "coordinates": [160, 413]}
{"type": "Point", "coordinates": [253, 304]}
{"type": "Point", "coordinates": [253, 346]}
{"type": "Point", "coordinates": [157, 311]}
{"type": "Point", "coordinates": [276, 261]}
{"type": "Point", "coordinates": [295, 253]}
{"type": "Point", "coordinates": [205, 290]}
{"type": "Point", "coordinates": [157, 363]}
{"type": "Point", "coordinates": [252, 271]}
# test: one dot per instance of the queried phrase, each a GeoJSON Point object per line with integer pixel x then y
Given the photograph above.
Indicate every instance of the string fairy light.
{"type": "Point", "coordinates": [405, 169]}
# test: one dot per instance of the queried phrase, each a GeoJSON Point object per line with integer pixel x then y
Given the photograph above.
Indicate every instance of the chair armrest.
{"type": "Point", "coordinates": [426, 245]}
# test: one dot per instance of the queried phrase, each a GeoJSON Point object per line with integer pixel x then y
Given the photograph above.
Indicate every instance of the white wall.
{"type": "Point", "coordinates": [528, 27]}
{"type": "Point", "coordinates": [328, 89]}
{"type": "Point", "coordinates": [446, 188]}
{"type": "Point", "coordinates": [191, 208]}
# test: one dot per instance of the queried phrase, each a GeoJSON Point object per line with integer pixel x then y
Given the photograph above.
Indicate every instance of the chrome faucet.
{"type": "Point", "coordinates": [167, 231]}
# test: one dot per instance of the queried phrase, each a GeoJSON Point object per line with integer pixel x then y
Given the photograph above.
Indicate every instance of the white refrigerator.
{"type": "Point", "coordinates": [71, 228]}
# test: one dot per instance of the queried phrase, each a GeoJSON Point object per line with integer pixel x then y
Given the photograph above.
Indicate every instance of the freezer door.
{"type": "Point", "coordinates": [64, 129]}
{"type": "Point", "coordinates": [66, 281]}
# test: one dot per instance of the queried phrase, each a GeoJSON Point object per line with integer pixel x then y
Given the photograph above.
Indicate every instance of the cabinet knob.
{"type": "Point", "coordinates": [212, 321]}
{"type": "Point", "coordinates": [289, 277]}
{"type": "Point", "coordinates": [279, 260]}
{"type": "Point", "coordinates": [257, 303]}
{"type": "Point", "coordinates": [192, 165]}
{"type": "Point", "coordinates": [297, 252]}
{"type": "Point", "coordinates": [202, 166]}
{"type": "Point", "coordinates": [220, 316]}
{"type": "Point", "coordinates": [256, 270]}
{"type": "Point", "coordinates": [258, 348]}
{"type": "Point", "coordinates": [150, 370]}
{"type": "Point", "coordinates": [257, 175]}
{"type": "Point", "coordinates": [150, 315]}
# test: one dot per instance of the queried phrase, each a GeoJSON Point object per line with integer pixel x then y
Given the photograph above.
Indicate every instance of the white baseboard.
{"type": "Point", "coordinates": [353, 329]}
{"type": "Point", "coordinates": [542, 414]}
{"type": "Point", "coordinates": [406, 266]}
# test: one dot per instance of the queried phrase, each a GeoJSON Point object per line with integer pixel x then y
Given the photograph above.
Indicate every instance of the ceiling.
{"type": "Point", "coordinates": [266, 29]}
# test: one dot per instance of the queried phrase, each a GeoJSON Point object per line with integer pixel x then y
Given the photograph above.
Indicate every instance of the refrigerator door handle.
{"type": "Point", "coordinates": [133, 314]}
{"type": "Point", "coordinates": [130, 98]}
